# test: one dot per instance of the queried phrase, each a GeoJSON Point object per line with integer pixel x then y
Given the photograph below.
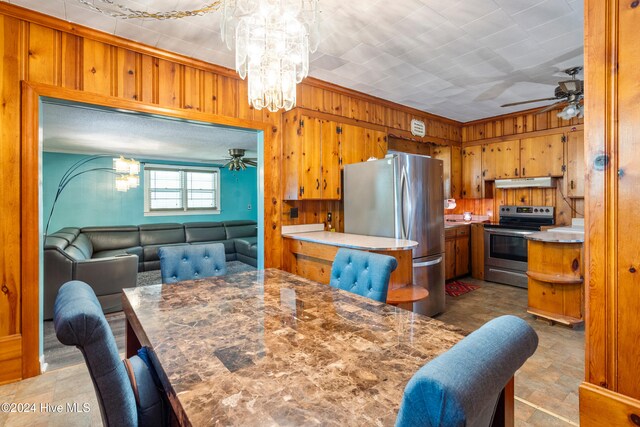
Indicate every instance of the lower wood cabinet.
{"type": "Point", "coordinates": [456, 246]}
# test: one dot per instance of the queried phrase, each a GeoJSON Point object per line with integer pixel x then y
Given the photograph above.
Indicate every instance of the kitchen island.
{"type": "Point", "coordinates": [311, 254]}
{"type": "Point", "coordinates": [555, 276]}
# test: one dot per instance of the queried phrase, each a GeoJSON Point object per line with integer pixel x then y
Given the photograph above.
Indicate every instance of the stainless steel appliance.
{"type": "Point", "coordinates": [505, 245]}
{"type": "Point", "coordinates": [401, 196]}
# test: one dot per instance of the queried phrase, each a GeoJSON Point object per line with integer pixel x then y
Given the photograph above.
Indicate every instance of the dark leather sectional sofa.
{"type": "Point", "coordinates": [109, 258]}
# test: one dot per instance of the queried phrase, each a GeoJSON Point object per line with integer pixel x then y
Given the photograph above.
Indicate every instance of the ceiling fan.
{"type": "Point", "coordinates": [569, 93]}
{"type": "Point", "coordinates": [238, 161]}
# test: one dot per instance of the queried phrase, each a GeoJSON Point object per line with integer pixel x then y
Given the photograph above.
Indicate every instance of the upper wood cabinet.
{"type": "Point", "coordinates": [452, 167]}
{"type": "Point", "coordinates": [311, 158]}
{"type": "Point", "coordinates": [501, 160]}
{"type": "Point", "coordinates": [472, 182]}
{"type": "Point", "coordinates": [315, 150]}
{"type": "Point", "coordinates": [542, 156]}
{"type": "Point", "coordinates": [575, 164]}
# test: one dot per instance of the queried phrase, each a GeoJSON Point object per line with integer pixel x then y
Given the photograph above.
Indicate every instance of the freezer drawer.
{"type": "Point", "coordinates": [428, 272]}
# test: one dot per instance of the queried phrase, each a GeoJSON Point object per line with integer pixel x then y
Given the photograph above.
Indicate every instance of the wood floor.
{"type": "Point", "coordinates": [546, 386]}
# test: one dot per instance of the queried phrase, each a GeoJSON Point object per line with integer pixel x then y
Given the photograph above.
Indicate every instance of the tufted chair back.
{"type": "Point", "coordinates": [188, 262]}
{"type": "Point", "coordinates": [363, 273]}
{"type": "Point", "coordinates": [461, 387]}
{"type": "Point", "coordinates": [79, 321]}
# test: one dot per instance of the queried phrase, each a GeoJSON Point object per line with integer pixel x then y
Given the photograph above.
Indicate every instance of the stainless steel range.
{"type": "Point", "coordinates": [505, 246]}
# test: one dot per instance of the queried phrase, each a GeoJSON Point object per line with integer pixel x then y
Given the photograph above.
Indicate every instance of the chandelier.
{"type": "Point", "coordinates": [273, 39]}
{"type": "Point", "coordinates": [116, 10]}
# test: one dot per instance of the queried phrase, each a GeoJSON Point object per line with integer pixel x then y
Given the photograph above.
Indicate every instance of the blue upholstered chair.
{"type": "Point", "coordinates": [462, 386]}
{"type": "Point", "coordinates": [188, 262]}
{"type": "Point", "coordinates": [363, 273]}
{"type": "Point", "coordinates": [126, 390]}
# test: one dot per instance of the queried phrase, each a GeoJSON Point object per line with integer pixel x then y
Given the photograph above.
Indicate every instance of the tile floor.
{"type": "Point", "coordinates": [546, 386]}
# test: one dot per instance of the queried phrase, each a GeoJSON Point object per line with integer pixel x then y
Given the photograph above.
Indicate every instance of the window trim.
{"type": "Point", "coordinates": [148, 167]}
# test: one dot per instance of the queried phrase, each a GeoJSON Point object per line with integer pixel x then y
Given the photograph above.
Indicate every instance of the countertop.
{"type": "Point", "coordinates": [453, 224]}
{"type": "Point", "coordinates": [271, 348]}
{"type": "Point", "coordinates": [556, 237]}
{"type": "Point", "coordinates": [353, 241]}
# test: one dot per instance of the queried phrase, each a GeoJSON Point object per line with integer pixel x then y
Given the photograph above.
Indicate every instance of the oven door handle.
{"type": "Point", "coordinates": [510, 233]}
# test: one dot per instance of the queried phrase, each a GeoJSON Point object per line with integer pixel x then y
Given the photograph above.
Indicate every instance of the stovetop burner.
{"type": "Point", "coordinates": [525, 217]}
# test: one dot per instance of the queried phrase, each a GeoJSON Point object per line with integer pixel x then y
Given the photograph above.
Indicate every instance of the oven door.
{"type": "Point", "coordinates": [506, 248]}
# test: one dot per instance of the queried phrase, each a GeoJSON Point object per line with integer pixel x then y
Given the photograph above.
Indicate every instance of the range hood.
{"type": "Point", "coordinates": [546, 182]}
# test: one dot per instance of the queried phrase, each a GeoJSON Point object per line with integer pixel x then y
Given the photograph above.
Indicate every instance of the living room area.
{"type": "Point", "coordinates": [118, 185]}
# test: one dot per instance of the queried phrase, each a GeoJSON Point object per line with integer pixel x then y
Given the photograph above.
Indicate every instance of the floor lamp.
{"type": "Point", "coordinates": [126, 172]}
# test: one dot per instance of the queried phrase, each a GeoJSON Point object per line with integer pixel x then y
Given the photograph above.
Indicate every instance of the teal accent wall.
{"type": "Point", "coordinates": [92, 200]}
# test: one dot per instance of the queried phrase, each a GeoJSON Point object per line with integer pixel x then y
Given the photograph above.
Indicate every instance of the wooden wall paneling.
{"type": "Point", "coordinates": [10, 208]}
{"type": "Point", "coordinates": [330, 162]}
{"type": "Point", "coordinates": [98, 67]}
{"type": "Point", "coordinates": [43, 53]}
{"type": "Point", "coordinates": [148, 79]}
{"type": "Point", "coordinates": [407, 146]}
{"type": "Point", "coordinates": [192, 91]}
{"type": "Point", "coordinates": [209, 89]}
{"type": "Point", "coordinates": [542, 156]}
{"type": "Point", "coordinates": [71, 58]}
{"type": "Point", "coordinates": [456, 172]}
{"type": "Point", "coordinates": [170, 83]}
{"type": "Point", "coordinates": [628, 122]}
{"type": "Point", "coordinates": [129, 81]}
{"type": "Point", "coordinates": [272, 155]}
{"type": "Point", "coordinates": [444, 153]}
{"type": "Point", "coordinates": [227, 96]}
{"type": "Point", "coordinates": [575, 164]}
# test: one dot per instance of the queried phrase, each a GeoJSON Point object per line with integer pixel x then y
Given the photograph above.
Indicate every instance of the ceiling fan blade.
{"type": "Point", "coordinates": [226, 164]}
{"type": "Point", "coordinates": [250, 162]}
{"type": "Point", "coordinates": [552, 106]}
{"type": "Point", "coordinates": [527, 102]}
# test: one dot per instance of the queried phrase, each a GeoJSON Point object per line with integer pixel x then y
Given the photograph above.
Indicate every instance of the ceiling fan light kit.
{"type": "Point", "coordinates": [238, 161]}
{"type": "Point", "coordinates": [569, 93]}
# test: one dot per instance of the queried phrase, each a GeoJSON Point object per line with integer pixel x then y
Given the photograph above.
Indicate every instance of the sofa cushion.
{"type": "Point", "coordinates": [75, 253]}
{"type": "Point", "coordinates": [83, 245]}
{"type": "Point", "coordinates": [240, 228]}
{"type": "Point", "coordinates": [110, 238]}
{"type": "Point", "coordinates": [160, 234]}
{"type": "Point", "coordinates": [247, 246]}
{"type": "Point", "coordinates": [204, 232]}
{"type": "Point", "coordinates": [67, 233]}
{"type": "Point", "coordinates": [150, 252]}
{"type": "Point", "coordinates": [137, 250]}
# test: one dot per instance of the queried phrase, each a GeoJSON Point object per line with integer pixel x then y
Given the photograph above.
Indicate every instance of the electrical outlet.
{"type": "Point", "coordinates": [293, 213]}
{"type": "Point", "coordinates": [329, 217]}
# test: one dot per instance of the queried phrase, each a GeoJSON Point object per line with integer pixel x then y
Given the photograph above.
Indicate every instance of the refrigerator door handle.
{"type": "Point", "coordinates": [409, 203]}
{"type": "Point", "coordinates": [403, 187]}
{"type": "Point", "coordinates": [428, 263]}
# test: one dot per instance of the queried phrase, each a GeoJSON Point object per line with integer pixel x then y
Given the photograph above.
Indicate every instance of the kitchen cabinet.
{"type": "Point", "coordinates": [452, 169]}
{"type": "Point", "coordinates": [311, 163]}
{"type": "Point", "coordinates": [477, 251]}
{"type": "Point", "coordinates": [501, 160]}
{"type": "Point", "coordinates": [472, 182]}
{"type": "Point", "coordinates": [542, 156]}
{"type": "Point", "coordinates": [456, 247]}
{"type": "Point", "coordinates": [575, 164]}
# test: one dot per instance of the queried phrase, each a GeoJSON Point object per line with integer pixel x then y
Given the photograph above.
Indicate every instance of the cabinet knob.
{"type": "Point", "coordinates": [635, 418]}
{"type": "Point", "coordinates": [572, 185]}
{"type": "Point", "coordinates": [325, 184]}
{"type": "Point", "coordinates": [478, 188]}
{"type": "Point", "coordinates": [516, 172]}
{"type": "Point", "coordinates": [317, 183]}
{"type": "Point", "coordinates": [523, 172]}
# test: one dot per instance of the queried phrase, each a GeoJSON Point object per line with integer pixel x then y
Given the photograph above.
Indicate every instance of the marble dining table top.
{"type": "Point", "coordinates": [271, 348]}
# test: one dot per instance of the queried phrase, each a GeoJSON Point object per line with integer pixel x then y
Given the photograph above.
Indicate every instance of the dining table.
{"type": "Point", "coordinates": [267, 347]}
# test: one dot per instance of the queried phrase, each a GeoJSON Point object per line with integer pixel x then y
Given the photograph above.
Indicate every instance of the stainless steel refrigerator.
{"type": "Point", "coordinates": [401, 196]}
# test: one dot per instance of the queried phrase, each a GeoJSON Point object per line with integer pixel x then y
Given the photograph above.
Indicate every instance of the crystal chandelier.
{"type": "Point", "coordinates": [273, 39]}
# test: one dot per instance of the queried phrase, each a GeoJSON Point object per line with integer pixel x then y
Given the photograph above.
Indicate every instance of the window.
{"type": "Point", "coordinates": [180, 190]}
